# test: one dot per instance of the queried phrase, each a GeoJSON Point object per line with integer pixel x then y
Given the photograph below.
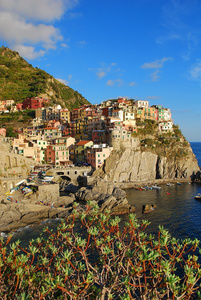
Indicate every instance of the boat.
{"type": "Point", "coordinates": [148, 187]}
{"type": "Point", "coordinates": [156, 187]}
{"type": "Point", "coordinates": [179, 183]}
{"type": "Point", "coordinates": [47, 178]}
{"type": "Point", "coordinates": [139, 188]}
{"type": "Point", "coordinates": [198, 196]}
{"type": "Point", "coordinates": [169, 184]}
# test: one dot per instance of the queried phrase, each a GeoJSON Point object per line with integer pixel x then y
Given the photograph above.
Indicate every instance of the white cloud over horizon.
{"type": "Point", "coordinates": [28, 26]}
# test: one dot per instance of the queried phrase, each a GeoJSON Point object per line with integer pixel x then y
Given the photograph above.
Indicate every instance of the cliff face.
{"type": "Point", "coordinates": [137, 165]}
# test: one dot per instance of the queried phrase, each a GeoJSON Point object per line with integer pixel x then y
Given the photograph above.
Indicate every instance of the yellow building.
{"type": "Point", "coordinates": [81, 146]}
{"type": "Point", "coordinates": [65, 115]}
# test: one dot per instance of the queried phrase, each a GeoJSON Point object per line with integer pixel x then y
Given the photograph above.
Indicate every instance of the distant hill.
{"type": "Point", "coordinates": [19, 80]}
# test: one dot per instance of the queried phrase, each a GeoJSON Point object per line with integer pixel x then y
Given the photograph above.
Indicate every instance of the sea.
{"type": "Point", "coordinates": [176, 209]}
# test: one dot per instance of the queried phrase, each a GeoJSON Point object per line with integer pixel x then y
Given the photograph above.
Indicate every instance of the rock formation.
{"type": "Point", "coordinates": [147, 208]}
{"type": "Point", "coordinates": [46, 203]}
{"type": "Point", "coordinates": [129, 165]}
{"type": "Point", "coordinates": [107, 196]}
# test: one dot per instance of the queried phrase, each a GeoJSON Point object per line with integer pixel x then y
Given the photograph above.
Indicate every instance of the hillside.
{"type": "Point", "coordinates": [19, 80]}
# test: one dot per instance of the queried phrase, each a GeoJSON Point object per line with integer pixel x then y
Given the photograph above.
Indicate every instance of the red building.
{"type": "Point", "coordinates": [19, 106]}
{"type": "Point", "coordinates": [74, 114]}
{"type": "Point", "coordinates": [67, 131]}
{"type": "Point", "coordinates": [50, 154]}
{"type": "Point", "coordinates": [105, 111]}
{"type": "Point", "coordinates": [34, 103]}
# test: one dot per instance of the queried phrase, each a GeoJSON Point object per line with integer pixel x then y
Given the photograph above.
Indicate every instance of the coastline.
{"type": "Point", "coordinates": [142, 183]}
{"type": "Point", "coordinates": [27, 213]}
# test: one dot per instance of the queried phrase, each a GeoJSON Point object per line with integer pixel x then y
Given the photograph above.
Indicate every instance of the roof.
{"type": "Point", "coordinates": [82, 143]}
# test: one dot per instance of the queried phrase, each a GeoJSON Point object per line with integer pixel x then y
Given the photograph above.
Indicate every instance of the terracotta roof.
{"type": "Point", "coordinates": [82, 143]}
{"type": "Point", "coordinates": [50, 128]}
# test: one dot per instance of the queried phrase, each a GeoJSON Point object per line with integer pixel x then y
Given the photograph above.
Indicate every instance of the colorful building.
{"type": "Point", "coordinates": [81, 146]}
{"type": "Point", "coordinates": [97, 155]}
{"type": "Point", "coordinates": [57, 155]}
{"type": "Point", "coordinates": [34, 103]}
{"type": "Point", "coordinates": [65, 115]}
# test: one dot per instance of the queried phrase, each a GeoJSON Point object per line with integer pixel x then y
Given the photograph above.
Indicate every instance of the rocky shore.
{"type": "Point", "coordinates": [106, 187]}
{"type": "Point", "coordinates": [23, 211]}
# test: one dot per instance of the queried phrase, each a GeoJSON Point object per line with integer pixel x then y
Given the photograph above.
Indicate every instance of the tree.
{"type": "Point", "coordinates": [92, 258]}
{"type": "Point", "coordinates": [10, 132]}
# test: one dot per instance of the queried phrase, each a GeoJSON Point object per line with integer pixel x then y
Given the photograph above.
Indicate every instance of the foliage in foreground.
{"type": "Point", "coordinates": [91, 258]}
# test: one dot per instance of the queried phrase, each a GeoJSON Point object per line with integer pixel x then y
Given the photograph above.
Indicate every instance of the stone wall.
{"type": "Point", "coordinates": [48, 192]}
{"type": "Point", "coordinates": [71, 172]}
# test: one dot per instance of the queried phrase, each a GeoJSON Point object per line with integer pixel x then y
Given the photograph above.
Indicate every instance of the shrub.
{"type": "Point", "coordinates": [91, 258]}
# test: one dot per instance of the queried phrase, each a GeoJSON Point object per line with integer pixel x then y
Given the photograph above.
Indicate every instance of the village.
{"type": "Point", "coordinates": [84, 136]}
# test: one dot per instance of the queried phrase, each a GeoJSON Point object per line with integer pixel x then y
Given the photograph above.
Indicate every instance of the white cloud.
{"type": "Point", "coordinates": [133, 83]}
{"type": "Point", "coordinates": [28, 51]}
{"type": "Point", "coordinates": [46, 10]}
{"type": "Point", "coordinates": [157, 64]}
{"type": "Point", "coordinates": [64, 45]}
{"type": "Point", "coordinates": [195, 72]}
{"type": "Point", "coordinates": [110, 82]}
{"type": "Point", "coordinates": [104, 70]}
{"type": "Point", "coordinates": [154, 76]}
{"type": "Point", "coordinates": [27, 24]}
{"type": "Point", "coordinates": [167, 38]}
{"type": "Point", "coordinates": [18, 31]}
{"type": "Point", "coordinates": [101, 74]}
{"type": "Point", "coordinates": [118, 81]}
{"type": "Point", "coordinates": [64, 81]}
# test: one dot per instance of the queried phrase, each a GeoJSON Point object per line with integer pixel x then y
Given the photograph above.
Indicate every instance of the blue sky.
{"type": "Point", "coordinates": [140, 49]}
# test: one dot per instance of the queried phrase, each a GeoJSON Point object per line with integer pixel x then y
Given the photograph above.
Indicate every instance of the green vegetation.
{"type": "Point", "coordinates": [12, 119]}
{"type": "Point", "coordinates": [146, 127]}
{"type": "Point", "coordinates": [173, 145]}
{"type": "Point", "coordinates": [10, 132]}
{"type": "Point", "coordinates": [91, 258]}
{"type": "Point", "coordinates": [19, 80]}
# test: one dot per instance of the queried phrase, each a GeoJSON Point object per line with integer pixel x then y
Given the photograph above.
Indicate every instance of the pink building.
{"type": "Point", "coordinates": [3, 132]}
{"type": "Point", "coordinates": [97, 155]}
{"type": "Point", "coordinates": [57, 155]}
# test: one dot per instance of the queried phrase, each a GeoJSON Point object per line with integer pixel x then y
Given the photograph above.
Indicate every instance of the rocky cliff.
{"type": "Point", "coordinates": [174, 160]}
